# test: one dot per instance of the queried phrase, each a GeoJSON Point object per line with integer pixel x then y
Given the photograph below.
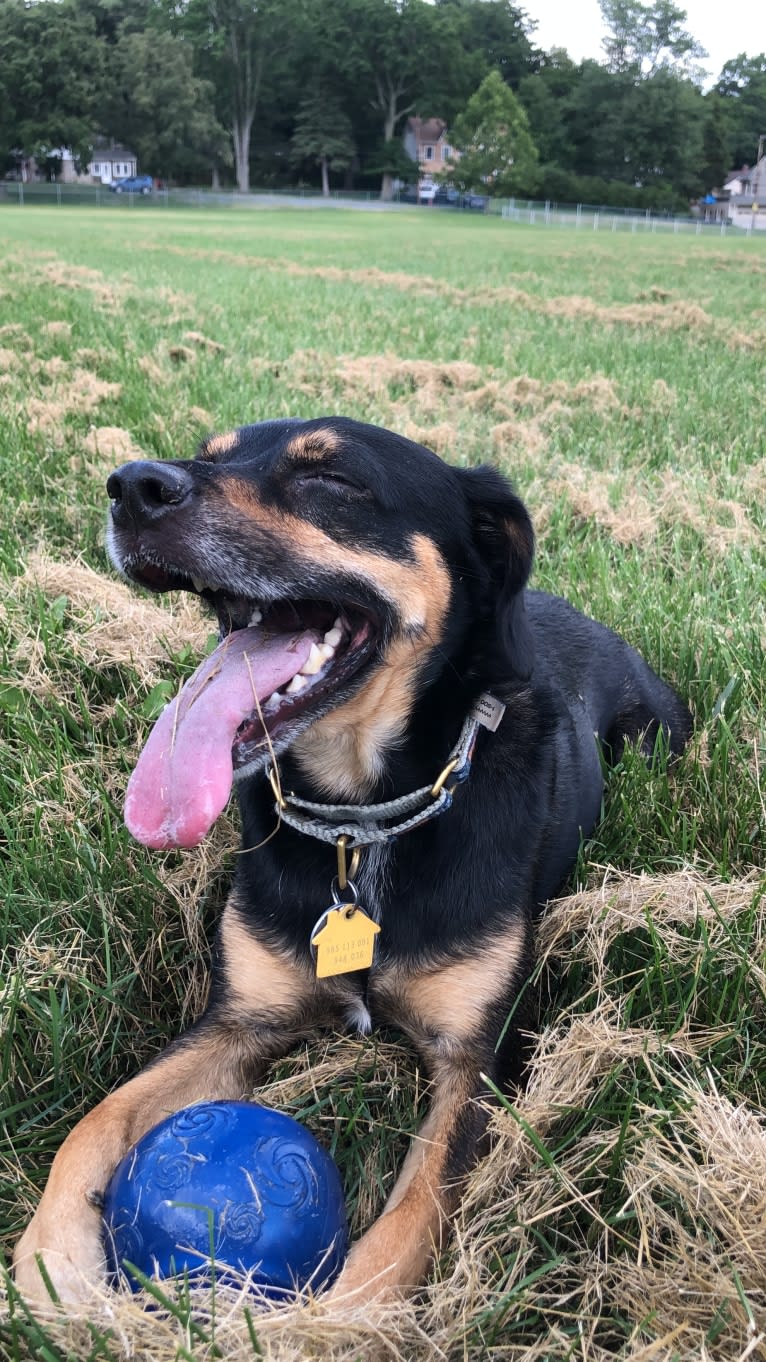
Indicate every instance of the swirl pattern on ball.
{"type": "Point", "coordinates": [288, 1178]}
{"type": "Point", "coordinates": [170, 1171]}
{"type": "Point", "coordinates": [205, 1118]}
{"type": "Point", "coordinates": [241, 1222]}
{"type": "Point", "coordinates": [127, 1236]}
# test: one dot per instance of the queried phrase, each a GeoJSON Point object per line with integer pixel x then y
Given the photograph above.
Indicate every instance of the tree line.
{"type": "Point", "coordinates": [279, 92]}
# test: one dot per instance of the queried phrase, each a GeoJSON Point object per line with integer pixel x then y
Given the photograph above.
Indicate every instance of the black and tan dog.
{"type": "Point", "coordinates": [374, 616]}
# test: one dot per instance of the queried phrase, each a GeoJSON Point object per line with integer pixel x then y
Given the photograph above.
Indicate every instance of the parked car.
{"type": "Point", "coordinates": [133, 184]}
{"type": "Point", "coordinates": [447, 195]}
{"type": "Point", "coordinates": [427, 191]}
{"type": "Point", "coordinates": [409, 194]}
{"type": "Point", "coordinates": [476, 201]}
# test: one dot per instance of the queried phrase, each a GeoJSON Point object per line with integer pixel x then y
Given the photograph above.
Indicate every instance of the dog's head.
{"type": "Point", "coordinates": [349, 568]}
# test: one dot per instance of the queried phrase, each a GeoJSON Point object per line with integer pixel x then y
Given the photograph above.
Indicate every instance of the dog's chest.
{"type": "Point", "coordinates": [372, 879]}
{"type": "Point", "coordinates": [371, 883]}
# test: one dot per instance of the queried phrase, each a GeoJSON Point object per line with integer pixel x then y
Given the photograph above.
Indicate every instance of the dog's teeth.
{"type": "Point", "coordinates": [272, 703]}
{"type": "Point", "coordinates": [314, 662]}
{"type": "Point", "coordinates": [326, 651]}
{"type": "Point", "coordinates": [256, 617]}
{"type": "Point", "coordinates": [297, 684]}
{"type": "Point", "coordinates": [198, 584]}
{"type": "Point", "coordinates": [334, 635]}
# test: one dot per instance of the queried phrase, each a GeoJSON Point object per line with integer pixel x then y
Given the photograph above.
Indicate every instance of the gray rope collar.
{"type": "Point", "coordinates": [365, 824]}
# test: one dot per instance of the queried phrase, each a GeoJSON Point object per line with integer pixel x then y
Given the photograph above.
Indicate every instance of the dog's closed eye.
{"type": "Point", "coordinates": [330, 478]}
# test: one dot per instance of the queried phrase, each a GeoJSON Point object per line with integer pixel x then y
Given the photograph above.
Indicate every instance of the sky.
{"type": "Point", "coordinates": [724, 27]}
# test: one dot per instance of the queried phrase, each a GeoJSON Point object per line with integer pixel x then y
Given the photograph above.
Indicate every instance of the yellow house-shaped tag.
{"type": "Point", "coordinates": [345, 942]}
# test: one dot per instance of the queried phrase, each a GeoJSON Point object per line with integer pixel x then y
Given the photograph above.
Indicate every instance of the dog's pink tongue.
{"type": "Point", "coordinates": [184, 775]}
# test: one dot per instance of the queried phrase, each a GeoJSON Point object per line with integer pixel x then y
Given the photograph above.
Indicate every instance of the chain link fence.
{"type": "Point", "coordinates": [533, 213]}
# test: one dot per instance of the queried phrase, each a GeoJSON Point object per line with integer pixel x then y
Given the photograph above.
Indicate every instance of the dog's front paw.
{"type": "Point", "coordinates": [60, 1259]}
{"type": "Point", "coordinates": [379, 1267]}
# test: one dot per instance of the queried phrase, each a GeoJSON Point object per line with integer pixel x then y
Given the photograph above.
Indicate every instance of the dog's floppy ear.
{"type": "Point", "coordinates": [505, 541]}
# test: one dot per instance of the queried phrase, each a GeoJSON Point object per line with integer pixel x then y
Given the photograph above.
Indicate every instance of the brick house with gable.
{"type": "Point", "coordinates": [426, 141]}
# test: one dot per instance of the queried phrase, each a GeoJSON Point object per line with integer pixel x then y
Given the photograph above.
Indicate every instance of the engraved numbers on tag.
{"type": "Point", "coordinates": [344, 940]}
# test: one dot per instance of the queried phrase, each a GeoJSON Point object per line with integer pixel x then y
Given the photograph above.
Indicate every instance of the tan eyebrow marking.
{"type": "Point", "coordinates": [314, 444]}
{"type": "Point", "coordinates": [213, 446]}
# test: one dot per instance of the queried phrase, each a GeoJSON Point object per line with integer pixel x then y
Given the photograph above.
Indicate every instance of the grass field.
{"type": "Point", "coordinates": [620, 382]}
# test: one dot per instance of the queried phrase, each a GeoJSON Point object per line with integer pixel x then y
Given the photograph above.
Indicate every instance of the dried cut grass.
{"type": "Point", "coordinates": [442, 437]}
{"type": "Point", "coordinates": [515, 437]}
{"type": "Point", "coordinates": [181, 354]}
{"type": "Point", "coordinates": [106, 447]}
{"type": "Point", "coordinates": [116, 626]}
{"type": "Point", "coordinates": [657, 309]}
{"type": "Point", "coordinates": [63, 274]}
{"type": "Point", "coordinates": [636, 513]}
{"type": "Point", "coordinates": [539, 1268]}
{"type": "Point", "coordinates": [204, 342]}
{"type": "Point", "coordinates": [171, 305]}
{"type": "Point", "coordinates": [523, 408]}
{"type": "Point", "coordinates": [675, 316]}
{"type": "Point", "coordinates": [15, 332]}
{"type": "Point", "coordinates": [753, 481]}
{"type": "Point", "coordinates": [8, 360]}
{"type": "Point", "coordinates": [76, 392]}
{"type": "Point", "coordinates": [379, 373]}
{"type": "Point", "coordinates": [429, 400]}
{"type": "Point", "coordinates": [59, 330]}
{"type": "Point", "coordinates": [483, 387]}
{"type": "Point", "coordinates": [585, 925]}
{"type": "Point", "coordinates": [712, 1165]}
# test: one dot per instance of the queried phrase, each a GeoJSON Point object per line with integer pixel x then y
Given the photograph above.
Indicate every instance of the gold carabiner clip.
{"type": "Point", "coordinates": [346, 873]}
{"type": "Point", "coordinates": [276, 787]}
{"type": "Point", "coordinates": [439, 783]}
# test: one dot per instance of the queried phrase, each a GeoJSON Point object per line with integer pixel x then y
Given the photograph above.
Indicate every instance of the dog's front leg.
{"type": "Point", "coordinates": [260, 1003]}
{"type": "Point", "coordinates": [456, 1014]}
{"type": "Point", "coordinates": [396, 1251]}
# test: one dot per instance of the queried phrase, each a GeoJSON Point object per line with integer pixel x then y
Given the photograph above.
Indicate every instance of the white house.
{"type": "Point", "coordinates": [109, 163]}
{"type": "Point", "coordinates": [747, 194]}
{"type": "Point", "coordinates": [112, 163]}
{"type": "Point", "coordinates": [743, 193]}
{"type": "Point", "coordinates": [737, 181]}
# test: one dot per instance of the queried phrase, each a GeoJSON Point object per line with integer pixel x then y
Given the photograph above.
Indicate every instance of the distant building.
{"type": "Point", "coordinates": [110, 161]}
{"type": "Point", "coordinates": [737, 181]}
{"type": "Point", "coordinates": [741, 200]}
{"type": "Point", "coordinates": [747, 193]}
{"type": "Point", "coordinates": [426, 141]}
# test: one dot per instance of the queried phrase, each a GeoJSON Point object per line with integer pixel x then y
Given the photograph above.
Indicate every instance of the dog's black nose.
{"type": "Point", "coordinates": [144, 491]}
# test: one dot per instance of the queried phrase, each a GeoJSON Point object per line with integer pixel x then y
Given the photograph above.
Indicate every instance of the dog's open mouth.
{"type": "Point", "coordinates": [277, 664]}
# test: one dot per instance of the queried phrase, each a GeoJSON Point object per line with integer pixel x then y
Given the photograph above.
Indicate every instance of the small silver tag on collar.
{"type": "Point", "coordinates": [488, 711]}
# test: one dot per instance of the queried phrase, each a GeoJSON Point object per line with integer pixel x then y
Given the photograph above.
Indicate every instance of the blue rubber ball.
{"type": "Point", "coordinates": [230, 1183]}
